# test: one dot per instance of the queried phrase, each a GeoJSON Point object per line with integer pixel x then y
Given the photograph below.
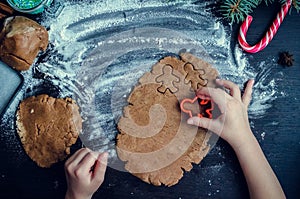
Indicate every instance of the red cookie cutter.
{"type": "Point", "coordinates": [201, 103]}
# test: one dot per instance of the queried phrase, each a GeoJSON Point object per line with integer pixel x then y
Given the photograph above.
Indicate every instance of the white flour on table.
{"type": "Point", "coordinates": [99, 50]}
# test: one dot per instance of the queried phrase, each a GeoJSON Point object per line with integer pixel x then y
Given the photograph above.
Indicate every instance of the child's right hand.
{"type": "Point", "coordinates": [232, 125]}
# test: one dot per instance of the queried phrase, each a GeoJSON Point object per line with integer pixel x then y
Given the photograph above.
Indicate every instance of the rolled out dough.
{"type": "Point", "coordinates": [160, 154]}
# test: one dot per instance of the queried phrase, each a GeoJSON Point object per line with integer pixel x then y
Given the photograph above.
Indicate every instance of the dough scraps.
{"type": "Point", "coordinates": [155, 142]}
{"type": "Point", "coordinates": [21, 39]}
{"type": "Point", "coordinates": [48, 127]}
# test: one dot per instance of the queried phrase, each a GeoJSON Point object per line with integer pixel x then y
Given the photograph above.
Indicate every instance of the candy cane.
{"type": "Point", "coordinates": [269, 35]}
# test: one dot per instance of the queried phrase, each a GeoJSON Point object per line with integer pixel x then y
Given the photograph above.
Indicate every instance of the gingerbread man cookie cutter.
{"type": "Point", "coordinates": [202, 102]}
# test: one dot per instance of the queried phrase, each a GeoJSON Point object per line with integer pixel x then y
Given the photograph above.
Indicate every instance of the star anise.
{"type": "Point", "coordinates": [286, 59]}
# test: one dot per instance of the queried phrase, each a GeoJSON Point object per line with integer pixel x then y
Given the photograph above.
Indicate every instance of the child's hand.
{"type": "Point", "coordinates": [232, 125]}
{"type": "Point", "coordinates": [85, 172]}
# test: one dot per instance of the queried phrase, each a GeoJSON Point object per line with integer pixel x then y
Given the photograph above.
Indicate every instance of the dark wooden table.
{"type": "Point", "coordinates": [21, 178]}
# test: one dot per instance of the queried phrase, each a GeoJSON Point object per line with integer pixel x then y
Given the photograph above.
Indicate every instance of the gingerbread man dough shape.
{"type": "Point", "coordinates": [168, 79]}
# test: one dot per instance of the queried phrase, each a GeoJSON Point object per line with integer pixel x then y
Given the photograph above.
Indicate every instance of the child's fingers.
{"type": "Point", "coordinates": [87, 163]}
{"type": "Point", "coordinates": [204, 97]}
{"type": "Point", "coordinates": [248, 92]}
{"type": "Point", "coordinates": [100, 167]}
{"type": "Point", "coordinates": [216, 94]}
{"type": "Point", "coordinates": [235, 91]}
{"type": "Point", "coordinates": [206, 123]}
{"type": "Point", "coordinates": [77, 156]}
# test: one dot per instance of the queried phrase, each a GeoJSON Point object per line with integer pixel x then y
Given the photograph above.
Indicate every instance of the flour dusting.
{"type": "Point", "coordinates": [99, 50]}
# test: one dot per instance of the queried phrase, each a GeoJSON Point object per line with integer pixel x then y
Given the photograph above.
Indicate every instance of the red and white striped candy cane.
{"type": "Point", "coordinates": [269, 35]}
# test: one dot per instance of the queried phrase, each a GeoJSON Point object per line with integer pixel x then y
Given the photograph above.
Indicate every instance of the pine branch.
{"type": "Point", "coordinates": [267, 1]}
{"type": "Point", "coordinates": [236, 10]}
{"type": "Point", "coordinates": [295, 4]}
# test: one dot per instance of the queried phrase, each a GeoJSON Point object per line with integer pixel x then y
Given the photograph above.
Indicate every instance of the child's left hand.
{"type": "Point", "coordinates": [85, 172]}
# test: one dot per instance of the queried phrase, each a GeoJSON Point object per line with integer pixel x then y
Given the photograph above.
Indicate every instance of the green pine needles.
{"type": "Point", "coordinates": [237, 10]}
{"type": "Point", "coordinates": [295, 4]}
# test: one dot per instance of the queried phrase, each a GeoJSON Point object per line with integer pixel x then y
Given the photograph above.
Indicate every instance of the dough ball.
{"type": "Point", "coordinates": [21, 39]}
{"type": "Point", "coordinates": [48, 127]}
